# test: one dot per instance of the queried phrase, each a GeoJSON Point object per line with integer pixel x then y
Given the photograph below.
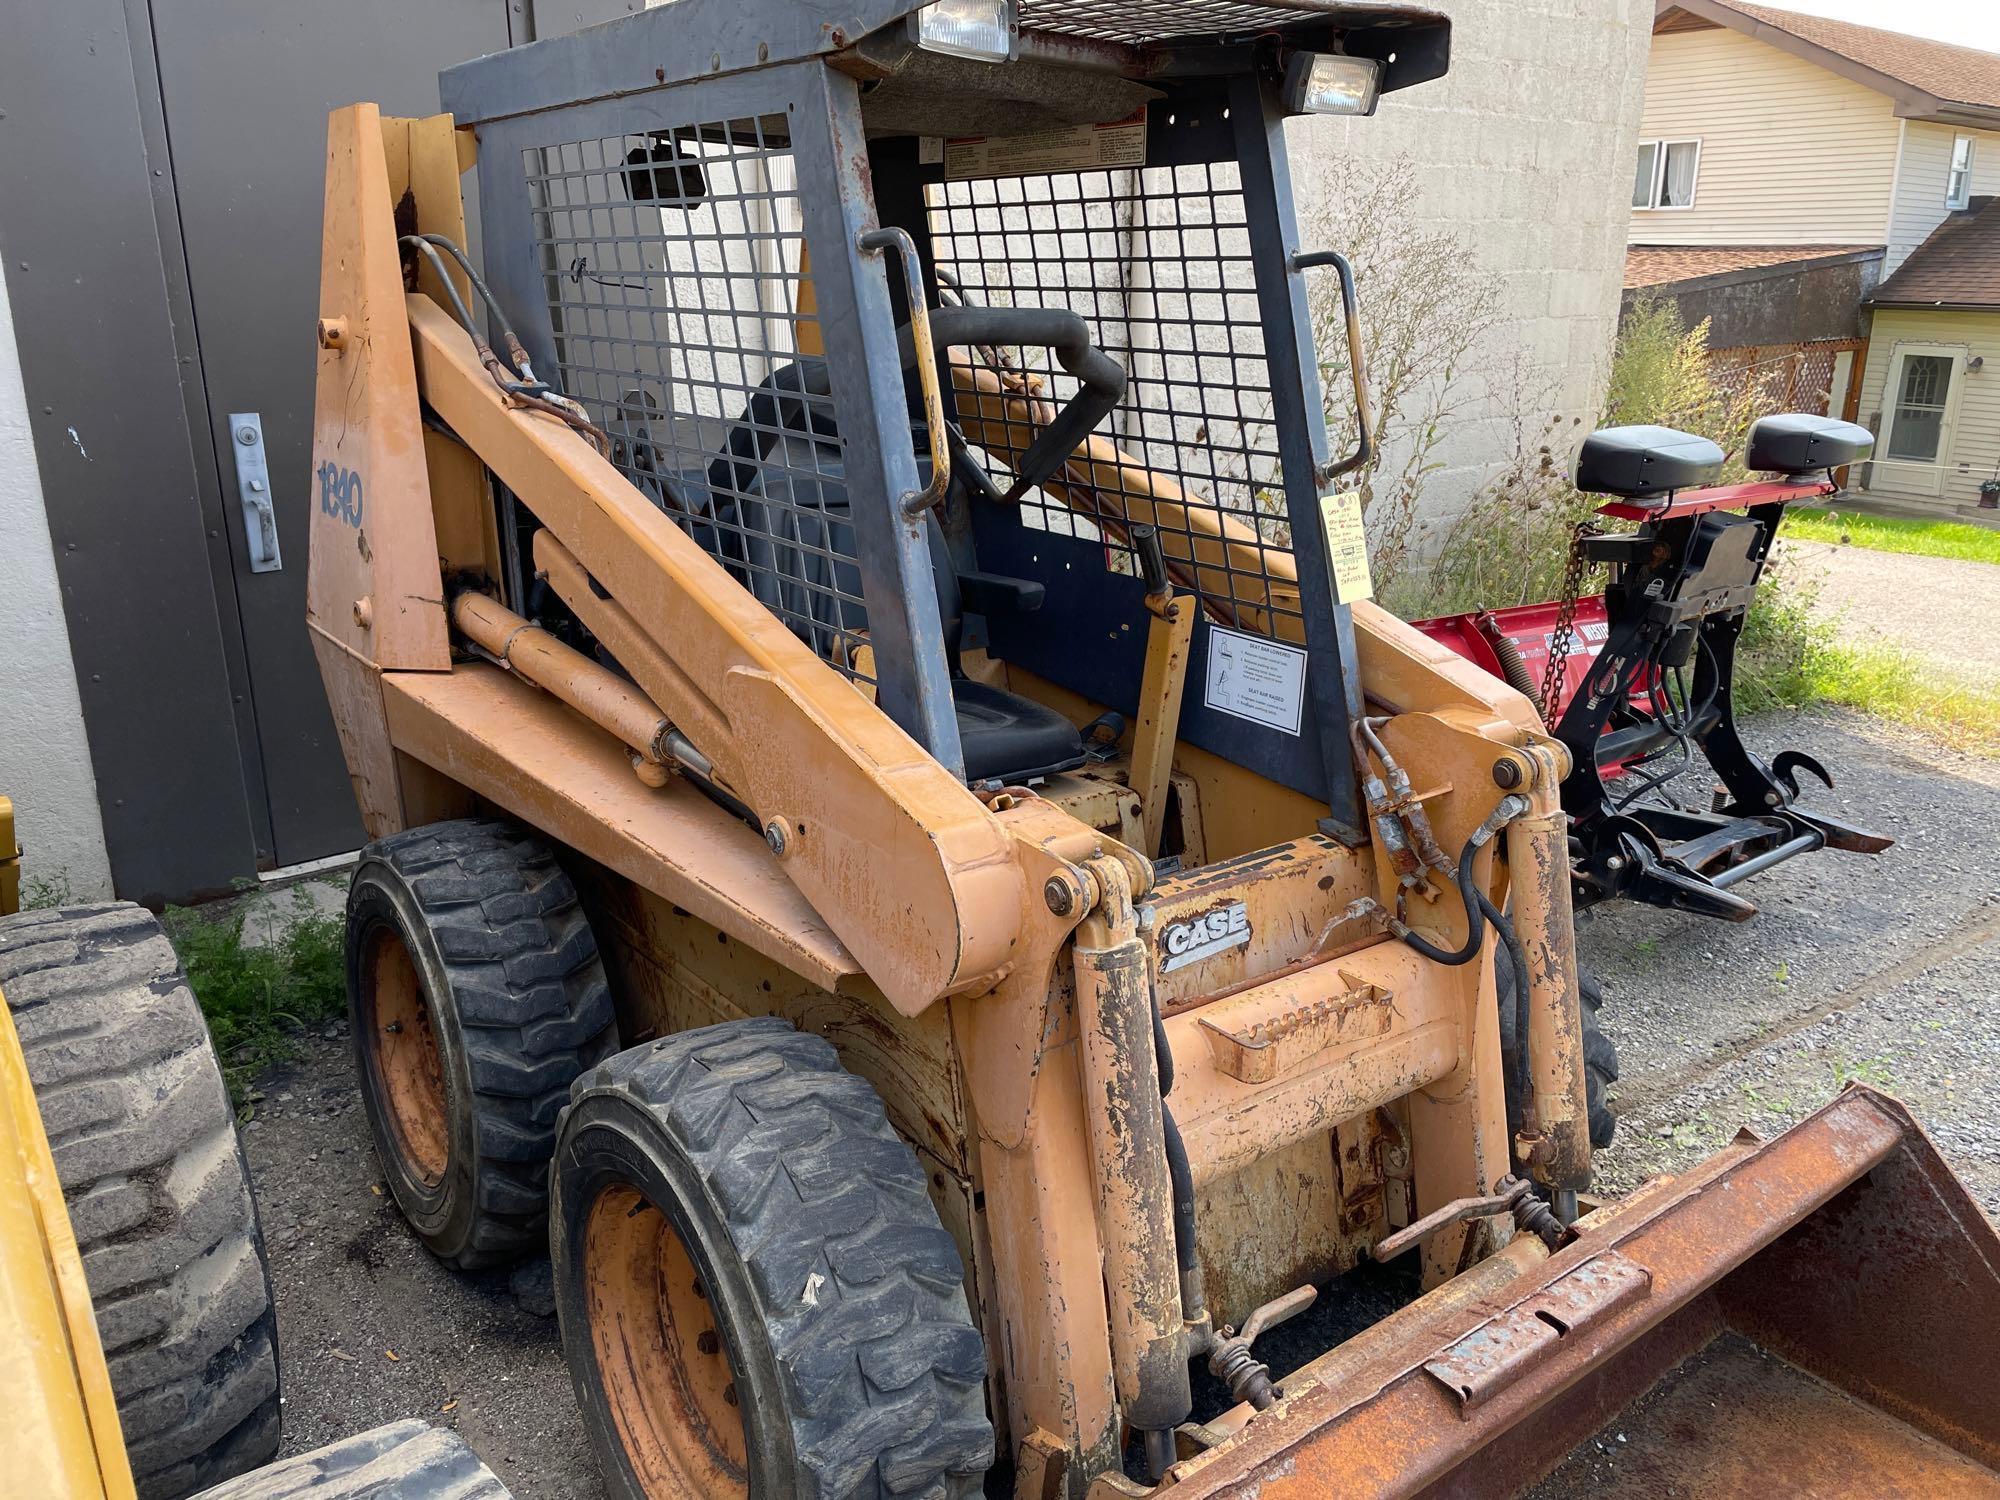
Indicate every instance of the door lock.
{"type": "Point", "coordinates": [253, 491]}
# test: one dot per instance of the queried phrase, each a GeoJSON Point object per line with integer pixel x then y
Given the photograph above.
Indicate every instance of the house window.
{"type": "Point", "coordinates": [1663, 176]}
{"type": "Point", "coordinates": [1923, 388]}
{"type": "Point", "coordinates": [1958, 186]}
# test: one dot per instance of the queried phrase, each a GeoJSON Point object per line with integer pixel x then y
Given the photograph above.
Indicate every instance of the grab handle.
{"type": "Point", "coordinates": [916, 502]}
{"type": "Point", "coordinates": [1357, 364]}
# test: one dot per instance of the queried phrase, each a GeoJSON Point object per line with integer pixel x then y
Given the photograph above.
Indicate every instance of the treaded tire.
{"type": "Point", "coordinates": [839, 1297]}
{"type": "Point", "coordinates": [406, 1460]}
{"type": "Point", "coordinates": [513, 996]}
{"type": "Point", "coordinates": [1600, 1058]}
{"type": "Point", "coordinates": [145, 1146]}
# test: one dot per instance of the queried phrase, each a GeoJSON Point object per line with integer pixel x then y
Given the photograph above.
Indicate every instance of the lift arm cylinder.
{"type": "Point", "coordinates": [1121, 1084]}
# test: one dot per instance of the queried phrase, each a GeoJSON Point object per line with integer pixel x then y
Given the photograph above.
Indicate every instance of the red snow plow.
{"type": "Point", "coordinates": [1638, 682]}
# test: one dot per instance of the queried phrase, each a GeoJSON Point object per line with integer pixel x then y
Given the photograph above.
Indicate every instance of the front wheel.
{"type": "Point", "coordinates": [477, 997]}
{"type": "Point", "coordinates": [757, 1298]}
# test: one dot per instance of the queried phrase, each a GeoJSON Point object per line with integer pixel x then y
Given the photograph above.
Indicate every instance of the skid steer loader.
{"type": "Point", "coordinates": [904, 855]}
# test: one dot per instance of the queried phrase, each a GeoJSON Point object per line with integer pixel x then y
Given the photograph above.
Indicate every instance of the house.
{"type": "Point", "coordinates": [1936, 410]}
{"type": "Point", "coordinates": [1811, 187]}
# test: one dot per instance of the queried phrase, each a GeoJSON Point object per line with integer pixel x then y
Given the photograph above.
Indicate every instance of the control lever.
{"type": "Point", "coordinates": [1510, 1195]}
{"type": "Point", "coordinates": [1152, 560]}
{"type": "Point", "coordinates": [1168, 635]}
{"type": "Point", "coordinates": [1230, 1359]}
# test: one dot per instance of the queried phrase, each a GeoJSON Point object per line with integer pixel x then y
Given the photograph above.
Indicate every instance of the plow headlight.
{"type": "Point", "coordinates": [1318, 83]}
{"type": "Point", "coordinates": [982, 30]}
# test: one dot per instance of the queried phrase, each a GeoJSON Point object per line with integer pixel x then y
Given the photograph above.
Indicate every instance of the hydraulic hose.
{"type": "Point", "coordinates": [1475, 925]}
{"type": "Point", "coordinates": [1523, 1015]}
{"type": "Point", "coordinates": [1180, 1172]}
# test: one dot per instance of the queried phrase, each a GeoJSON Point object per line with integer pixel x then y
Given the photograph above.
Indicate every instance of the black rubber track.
{"type": "Point", "coordinates": [406, 1460]}
{"type": "Point", "coordinates": [519, 1003]}
{"type": "Point", "coordinates": [840, 1295]}
{"type": "Point", "coordinates": [145, 1146]}
{"type": "Point", "coordinates": [1600, 1058]}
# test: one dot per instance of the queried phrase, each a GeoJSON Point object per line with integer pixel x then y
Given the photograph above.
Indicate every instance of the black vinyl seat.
{"type": "Point", "coordinates": [773, 509]}
{"type": "Point", "coordinates": [1801, 443]}
{"type": "Point", "coordinates": [1004, 736]}
{"type": "Point", "coordinates": [1639, 463]}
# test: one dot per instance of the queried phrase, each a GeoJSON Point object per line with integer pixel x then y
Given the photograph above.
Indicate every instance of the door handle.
{"type": "Point", "coordinates": [253, 491]}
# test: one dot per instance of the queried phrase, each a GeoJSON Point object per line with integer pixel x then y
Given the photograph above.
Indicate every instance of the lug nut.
{"type": "Point", "coordinates": [729, 1393]}
{"type": "Point", "coordinates": [708, 1343]}
{"type": "Point", "coordinates": [776, 835]}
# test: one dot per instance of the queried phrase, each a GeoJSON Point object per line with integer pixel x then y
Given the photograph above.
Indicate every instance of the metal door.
{"type": "Point", "coordinates": [246, 86]}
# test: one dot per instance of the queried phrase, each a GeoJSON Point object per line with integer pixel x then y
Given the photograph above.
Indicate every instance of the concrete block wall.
{"type": "Point", "coordinates": [44, 760]}
{"type": "Point", "coordinates": [1525, 151]}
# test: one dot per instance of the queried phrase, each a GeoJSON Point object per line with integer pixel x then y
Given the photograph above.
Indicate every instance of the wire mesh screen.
{"type": "Point", "coordinates": [672, 263]}
{"type": "Point", "coordinates": [1150, 20]}
{"type": "Point", "coordinates": [1157, 261]}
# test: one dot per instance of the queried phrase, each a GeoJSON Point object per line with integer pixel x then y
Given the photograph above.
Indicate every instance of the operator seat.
{"type": "Point", "coordinates": [773, 509]}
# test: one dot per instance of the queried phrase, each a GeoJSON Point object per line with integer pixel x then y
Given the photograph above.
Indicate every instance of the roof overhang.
{"type": "Point", "coordinates": [1911, 102]}
{"type": "Point", "coordinates": [1715, 280]}
{"type": "Point", "coordinates": [1901, 306]}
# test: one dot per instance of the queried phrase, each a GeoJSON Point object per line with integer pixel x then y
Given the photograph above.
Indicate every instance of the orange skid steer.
{"type": "Point", "coordinates": [905, 858]}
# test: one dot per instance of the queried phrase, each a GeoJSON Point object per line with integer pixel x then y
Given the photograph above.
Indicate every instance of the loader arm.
{"type": "Point", "coordinates": [902, 862]}
{"type": "Point", "coordinates": [905, 864]}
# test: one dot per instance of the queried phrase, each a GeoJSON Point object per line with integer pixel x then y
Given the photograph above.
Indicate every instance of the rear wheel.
{"type": "Point", "coordinates": [1600, 1058]}
{"type": "Point", "coordinates": [477, 996]}
{"type": "Point", "coordinates": [145, 1147]}
{"type": "Point", "coordinates": [756, 1295]}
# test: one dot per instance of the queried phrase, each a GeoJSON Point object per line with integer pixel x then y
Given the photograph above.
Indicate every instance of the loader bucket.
{"type": "Point", "coordinates": [1814, 1315]}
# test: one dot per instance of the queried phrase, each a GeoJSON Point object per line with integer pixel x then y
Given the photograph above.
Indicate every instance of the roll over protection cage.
{"type": "Point", "coordinates": [640, 188]}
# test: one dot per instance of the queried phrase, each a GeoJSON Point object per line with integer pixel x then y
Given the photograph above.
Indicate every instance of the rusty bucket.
{"type": "Point", "coordinates": [1815, 1315]}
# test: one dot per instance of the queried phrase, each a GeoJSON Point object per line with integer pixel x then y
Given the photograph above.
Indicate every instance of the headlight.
{"type": "Point", "coordinates": [1317, 83]}
{"type": "Point", "coordinates": [982, 30]}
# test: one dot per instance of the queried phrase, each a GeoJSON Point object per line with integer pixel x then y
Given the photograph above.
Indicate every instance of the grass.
{"type": "Point", "coordinates": [1793, 657]}
{"type": "Point", "coordinates": [1892, 534]}
{"type": "Point", "coordinates": [259, 998]}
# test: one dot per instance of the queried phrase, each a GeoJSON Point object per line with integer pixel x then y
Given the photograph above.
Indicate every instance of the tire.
{"type": "Point", "coordinates": [736, 1181]}
{"type": "Point", "coordinates": [477, 997]}
{"type": "Point", "coordinates": [406, 1460]}
{"type": "Point", "coordinates": [145, 1147]}
{"type": "Point", "coordinates": [1600, 1058]}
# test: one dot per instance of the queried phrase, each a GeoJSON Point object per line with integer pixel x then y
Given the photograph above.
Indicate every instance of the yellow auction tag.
{"type": "Point", "coordinates": [1346, 546]}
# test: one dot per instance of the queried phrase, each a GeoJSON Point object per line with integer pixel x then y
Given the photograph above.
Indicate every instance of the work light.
{"type": "Point", "coordinates": [1318, 83]}
{"type": "Point", "coordinates": [982, 30]}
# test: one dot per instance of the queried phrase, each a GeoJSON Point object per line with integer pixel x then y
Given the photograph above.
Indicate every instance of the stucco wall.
{"type": "Point", "coordinates": [44, 762]}
{"type": "Point", "coordinates": [1525, 149]}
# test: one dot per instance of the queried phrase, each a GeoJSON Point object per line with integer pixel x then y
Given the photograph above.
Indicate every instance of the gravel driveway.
{"type": "Point", "coordinates": [1938, 607]}
{"type": "Point", "coordinates": [1874, 968]}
